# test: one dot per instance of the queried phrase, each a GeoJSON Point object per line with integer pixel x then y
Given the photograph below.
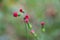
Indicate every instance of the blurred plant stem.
{"type": "Point", "coordinates": [26, 31]}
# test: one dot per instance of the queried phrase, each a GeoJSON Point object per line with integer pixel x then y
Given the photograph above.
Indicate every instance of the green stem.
{"type": "Point", "coordinates": [26, 31]}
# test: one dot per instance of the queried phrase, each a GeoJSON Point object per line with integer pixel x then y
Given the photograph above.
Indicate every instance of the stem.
{"type": "Point", "coordinates": [36, 38]}
{"type": "Point", "coordinates": [26, 31]}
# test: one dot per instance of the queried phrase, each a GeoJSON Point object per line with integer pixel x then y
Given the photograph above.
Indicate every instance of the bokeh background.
{"type": "Point", "coordinates": [12, 28]}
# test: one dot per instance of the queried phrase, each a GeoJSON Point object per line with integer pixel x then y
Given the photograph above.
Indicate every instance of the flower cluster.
{"type": "Point", "coordinates": [26, 21]}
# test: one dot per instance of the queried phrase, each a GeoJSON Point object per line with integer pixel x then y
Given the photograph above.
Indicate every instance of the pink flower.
{"type": "Point", "coordinates": [32, 31]}
{"type": "Point", "coordinates": [26, 20]}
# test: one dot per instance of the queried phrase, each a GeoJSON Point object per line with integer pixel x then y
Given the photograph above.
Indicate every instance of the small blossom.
{"type": "Point", "coordinates": [26, 20]}
{"type": "Point", "coordinates": [27, 17]}
{"type": "Point", "coordinates": [32, 31]}
{"type": "Point", "coordinates": [42, 23]}
{"type": "Point", "coordinates": [15, 14]}
{"type": "Point", "coordinates": [21, 10]}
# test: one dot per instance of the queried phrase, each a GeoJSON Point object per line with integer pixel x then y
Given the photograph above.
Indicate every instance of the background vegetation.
{"type": "Point", "coordinates": [12, 28]}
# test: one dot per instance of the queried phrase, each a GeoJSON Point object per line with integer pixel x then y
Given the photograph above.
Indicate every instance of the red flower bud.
{"type": "Point", "coordinates": [15, 14]}
{"type": "Point", "coordinates": [26, 17]}
{"type": "Point", "coordinates": [21, 10]}
{"type": "Point", "coordinates": [42, 23]}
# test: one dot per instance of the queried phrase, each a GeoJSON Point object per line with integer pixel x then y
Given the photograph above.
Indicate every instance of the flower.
{"type": "Point", "coordinates": [21, 10]}
{"type": "Point", "coordinates": [15, 14]}
{"type": "Point", "coordinates": [32, 31]}
{"type": "Point", "coordinates": [26, 17]}
{"type": "Point", "coordinates": [26, 20]}
{"type": "Point", "coordinates": [42, 23]}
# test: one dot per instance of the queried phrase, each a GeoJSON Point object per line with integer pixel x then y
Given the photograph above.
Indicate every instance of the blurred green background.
{"type": "Point", "coordinates": [12, 28]}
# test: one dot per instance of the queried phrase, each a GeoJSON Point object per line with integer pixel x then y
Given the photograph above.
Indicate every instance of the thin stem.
{"type": "Point", "coordinates": [26, 31]}
{"type": "Point", "coordinates": [35, 38]}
